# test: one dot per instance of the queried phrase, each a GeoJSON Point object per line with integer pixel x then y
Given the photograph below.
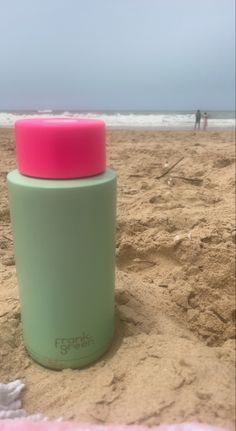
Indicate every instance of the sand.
{"type": "Point", "coordinates": [172, 359]}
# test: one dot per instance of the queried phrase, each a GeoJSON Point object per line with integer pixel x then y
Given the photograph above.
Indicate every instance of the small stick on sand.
{"type": "Point", "coordinates": [137, 260]}
{"type": "Point", "coordinates": [191, 180]}
{"type": "Point", "coordinates": [170, 169]}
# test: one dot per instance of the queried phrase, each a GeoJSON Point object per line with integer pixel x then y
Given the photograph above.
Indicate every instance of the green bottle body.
{"type": "Point", "coordinates": [64, 238]}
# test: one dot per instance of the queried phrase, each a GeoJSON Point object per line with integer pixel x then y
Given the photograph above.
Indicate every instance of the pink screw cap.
{"type": "Point", "coordinates": [60, 147]}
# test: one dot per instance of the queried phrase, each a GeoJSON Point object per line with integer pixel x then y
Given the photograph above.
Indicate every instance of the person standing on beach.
{"type": "Point", "coordinates": [198, 117]}
{"type": "Point", "coordinates": [205, 121]}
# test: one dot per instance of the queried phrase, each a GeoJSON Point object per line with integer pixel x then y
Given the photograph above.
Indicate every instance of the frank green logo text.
{"type": "Point", "coordinates": [67, 345]}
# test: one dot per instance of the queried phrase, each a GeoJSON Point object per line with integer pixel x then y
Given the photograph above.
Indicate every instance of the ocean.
{"type": "Point", "coordinates": [159, 120]}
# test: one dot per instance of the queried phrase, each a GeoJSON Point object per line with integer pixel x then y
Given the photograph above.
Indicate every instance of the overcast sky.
{"type": "Point", "coordinates": [117, 54]}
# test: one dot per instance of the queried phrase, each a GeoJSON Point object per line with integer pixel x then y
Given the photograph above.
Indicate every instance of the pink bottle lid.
{"type": "Point", "coordinates": [60, 147]}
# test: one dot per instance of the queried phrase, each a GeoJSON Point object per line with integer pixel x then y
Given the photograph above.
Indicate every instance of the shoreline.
{"type": "Point", "coordinates": [153, 129]}
{"type": "Point", "coordinates": [159, 120]}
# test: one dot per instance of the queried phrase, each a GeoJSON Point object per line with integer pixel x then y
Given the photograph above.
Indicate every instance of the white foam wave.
{"type": "Point", "coordinates": [44, 111]}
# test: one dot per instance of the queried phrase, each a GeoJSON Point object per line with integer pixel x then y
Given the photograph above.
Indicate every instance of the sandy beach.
{"type": "Point", "coordinates": [172, 359]}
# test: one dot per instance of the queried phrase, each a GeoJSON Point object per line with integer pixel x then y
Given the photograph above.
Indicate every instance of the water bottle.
{"type": "Point", "coordinates": [62, 204]}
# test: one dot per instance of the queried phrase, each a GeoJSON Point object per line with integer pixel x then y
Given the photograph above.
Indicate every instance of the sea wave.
{"type": "Point", "coordinates": [161, 121]}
